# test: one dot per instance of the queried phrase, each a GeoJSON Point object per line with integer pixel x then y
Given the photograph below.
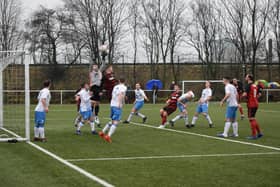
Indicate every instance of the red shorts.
{"type": "Point", "coordinates": [252, 112]}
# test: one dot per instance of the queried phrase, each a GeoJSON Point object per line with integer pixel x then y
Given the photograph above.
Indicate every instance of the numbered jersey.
{"type": "Point", "coordinates": [252, 95]}
{"type": "Point", "coordinates": [118, 89]}
{"type": "Point", "coordinates": [140, 95]}
{"type": "Point", "coordinates": [44, 94]}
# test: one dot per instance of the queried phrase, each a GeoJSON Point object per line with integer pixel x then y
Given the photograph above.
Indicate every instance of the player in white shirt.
{"type": "Point", "coordinates": [117, 102]}
{"type": "Point", "coordinates": [41, 109]}
{"type": "Point", "coordinates": [140, 97]}
{"type": "Point", "coordinates": [203, 104]}
{"type": "Point", "coordinates": [182, 105]}
{"type": "Point", "coordinates": [231, 97]}
{"type": "Point", "coordinates": [85, 109]}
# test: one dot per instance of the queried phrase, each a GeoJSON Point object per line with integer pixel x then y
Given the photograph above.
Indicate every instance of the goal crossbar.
{"type": "Point", "coordinates": [197, 81]}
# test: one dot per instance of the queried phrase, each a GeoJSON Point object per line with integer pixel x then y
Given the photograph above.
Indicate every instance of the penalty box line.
{"type": "Point", "coordinates": [171, 157]}
{"type": "Point", "coordinates": [65, 162]}
{"type": "Point", "coordinates": [210, 137]}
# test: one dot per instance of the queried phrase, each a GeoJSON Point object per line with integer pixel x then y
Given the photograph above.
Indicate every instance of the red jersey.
{"type": "Point", "coordinates": [174, 98]}
{"type": "Point", "coordinates": [252, 95]}
{"type": "Point", "coordinates": [109, 81]}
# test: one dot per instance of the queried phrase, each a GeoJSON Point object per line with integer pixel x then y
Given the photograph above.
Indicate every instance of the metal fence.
{"type": "Point", "coordinates": [67, 96]}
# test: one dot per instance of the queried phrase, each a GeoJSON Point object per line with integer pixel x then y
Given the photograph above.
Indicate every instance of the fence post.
{"type": "Point", "coordinates": [61, 92]}
{"type": "Point", "coordinates": [267, 96]}
{"type": "Point", "coordinates": [154, 97]}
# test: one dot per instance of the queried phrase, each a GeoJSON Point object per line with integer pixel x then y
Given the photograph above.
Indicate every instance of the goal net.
{"type": "Point", "coordinates": [14, 96]}
{"type": "Point", "coordinates": [218, 89]}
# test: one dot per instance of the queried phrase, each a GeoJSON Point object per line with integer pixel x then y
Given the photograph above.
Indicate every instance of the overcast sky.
{"type": "Point", "coordinates": [30, 6]}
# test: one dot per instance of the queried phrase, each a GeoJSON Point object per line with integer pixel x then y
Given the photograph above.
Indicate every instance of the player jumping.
{"type": "Point", "coordinates": [140, 97]}
{"type": "Point", "coordinates": [231, 98]}
{"type": "Point", "coordinates": [95, 77]}
{"type": "Point", "coordinates": [182, 105]}
{"type": "Point", "coordinates": [252, 93]}
{"type": "Point", "coordinates": [117, 102]}
{"type": "Point", "coordinates": [170, 107]}
{"type": "Point", "coordinates": [41, 109]}
{"type": "Point", "coordinates": [239, 87]}
{"type": "Point", "coordinates": [85, 109]}
{"type": "Point", "coordinates": [109, 81]}
{"type": "Point", "coordinates": [203, 105]}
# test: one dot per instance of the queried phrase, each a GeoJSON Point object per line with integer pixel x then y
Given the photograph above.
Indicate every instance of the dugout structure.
{"type": "Point", "coordinates": [14, 96]}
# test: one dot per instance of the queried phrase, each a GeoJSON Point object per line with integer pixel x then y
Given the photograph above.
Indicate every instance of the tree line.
{"type": "Point", "coordinates": [162, 30]}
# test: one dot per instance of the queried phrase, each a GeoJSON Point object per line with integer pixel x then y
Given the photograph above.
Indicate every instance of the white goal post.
{"type": "Point", "coordinates": [14, 96]}
{"type": "Point", "coordinates": [184, 82]}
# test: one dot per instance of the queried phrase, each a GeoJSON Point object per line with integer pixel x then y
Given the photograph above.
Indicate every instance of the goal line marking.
{"type": "Point", "coordinates": [65, 162]}
{"type": "Point", "coordinates": [170, 157]}
{"type": "Point", "coordinates": [210, 137]}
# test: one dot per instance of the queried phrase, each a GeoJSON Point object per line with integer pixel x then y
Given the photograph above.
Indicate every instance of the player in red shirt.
{"type": "Point", "coordinates": [109, 81]}
{"type": "Point", "coordinates": [240, 90]}
{"type": "Point", "coordinates": [170, 107]}
{"type": "Point", "coordinates": [252, 93]}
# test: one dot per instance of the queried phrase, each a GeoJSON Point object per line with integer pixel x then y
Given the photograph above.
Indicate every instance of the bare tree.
{"type": "Point", "coordinates": [99, 22]}
{"type": "Point", "coordinates": [10, 11]}
{"type": "Point", "coordinates": [176, 30]}
{"type": "Point", "coordinates": [258, 16]}
{"type": "Point", "coordinates": [134, 24]}
{"type": "Point", "coordinates": [205, 36]}
{"type": "Point", "coordinates": [236, 28]}
{"type": "Point", "coordinates": [46, 29]}
{"type": "Point", "coordinates": [274, 23]}
{"type": "Point", "coordinates": [161, 24]}
{"type": "Point", "coordinates": [246, 27]}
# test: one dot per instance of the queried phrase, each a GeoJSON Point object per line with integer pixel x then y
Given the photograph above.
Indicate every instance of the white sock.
{"type": "Point", "coordinates": [80, 126]}
{"type": "Point", "coordinates": [194, 120]}
{"type": "Point", "coordinates": [208, 119]}
{"type": "Point", "coordinates": [140, 115]}
{"type": "Point", "coordinates": [36, 132]}
{"type": "Point", "coordinates": [130, 116]}
{"type": "Point", "coordinates": [235, 128]}
{"type": "Point", "coordinates": [176, 118]}
{"type": "Point", "coordinates": [112, 130]}
{"type": "Point", "coordinates": [42, 132]}
{"type": "Point", "coordinates": [186, 118]}
{"type": "Point", "coordinates": [106, 128]}
{"type": "Point", "coordinates": [226, 129]}
{"type": "Point", "coordinates": [92, 125]}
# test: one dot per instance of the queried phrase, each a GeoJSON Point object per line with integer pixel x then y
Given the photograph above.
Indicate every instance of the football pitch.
{"type": "Point", "coordinates": [143, 155]}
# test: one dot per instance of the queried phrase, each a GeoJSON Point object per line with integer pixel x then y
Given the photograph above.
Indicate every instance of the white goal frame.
{"type": "Point", "coordinates": [8, 61]}
{"type": "Point", "coordinates": [197, 81]}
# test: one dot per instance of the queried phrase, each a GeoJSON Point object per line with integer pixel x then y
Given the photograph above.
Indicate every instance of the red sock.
{"type": "Point", "coordinates": [258, 127]}
{"type": "Point", "coordinates": [241, 110]}
{"type": "Point", "coordinates": [163, 119]}
{"type": "Point", "coordinates": [253, 127]}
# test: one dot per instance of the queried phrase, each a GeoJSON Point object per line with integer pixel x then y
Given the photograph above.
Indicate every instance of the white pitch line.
{"type": "Point", "coordinates": [72, 166]}
{"type": "Point", "coordinates": [65, 162]}
{"type": "Point", "coordinates": [210, 137]}
{"type": "Point", "coordinates": [170, 157]}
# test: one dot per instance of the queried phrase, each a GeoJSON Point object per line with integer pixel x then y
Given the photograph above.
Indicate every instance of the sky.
{"type": "Point", "coordinates": [29, 6]}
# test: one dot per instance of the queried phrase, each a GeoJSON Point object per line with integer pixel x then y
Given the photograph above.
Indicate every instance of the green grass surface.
{"type": "Point", "coordinates": [22, 165]}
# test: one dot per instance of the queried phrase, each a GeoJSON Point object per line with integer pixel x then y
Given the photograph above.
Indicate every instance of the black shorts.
{"type": "Point", "coordinates": [169, 109]}
{"type": "Point", "coordinates": [95, 93]}
{"type": "Point", "coordinates": [252, 112]}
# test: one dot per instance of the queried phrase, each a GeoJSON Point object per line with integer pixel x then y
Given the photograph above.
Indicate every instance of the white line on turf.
{"type": "Point", "coordinates": [210, 137]}
{"type": "Point", "coordinates": [70, 165]}
{"type": "Point", "coordinates": [170, 157]}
